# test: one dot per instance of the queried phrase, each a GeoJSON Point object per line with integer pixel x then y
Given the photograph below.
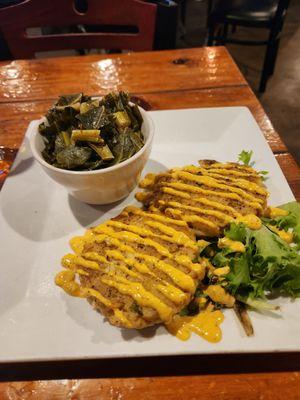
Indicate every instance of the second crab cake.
{"type": "Point", "coordinates": [138, 269]}
{"type": "Point", "coordinates": [208, 197]}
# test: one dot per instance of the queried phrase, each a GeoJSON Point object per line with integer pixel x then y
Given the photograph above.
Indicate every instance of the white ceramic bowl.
{"type": "Point", "coordinates": [102, 186]}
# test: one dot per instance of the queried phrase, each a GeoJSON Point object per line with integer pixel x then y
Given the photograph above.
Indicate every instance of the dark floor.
{"type": "Point", "coordinates": [280, 101]}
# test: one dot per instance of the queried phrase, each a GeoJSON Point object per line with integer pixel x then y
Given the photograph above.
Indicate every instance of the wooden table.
{"type": "Point", "coordinates": [205, 77]}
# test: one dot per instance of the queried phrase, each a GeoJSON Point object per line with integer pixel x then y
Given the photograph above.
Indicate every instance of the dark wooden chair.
{"type": "Point", "coordinates": [111, 15]}
{"type": "Point", "coordinates": [268, 14]}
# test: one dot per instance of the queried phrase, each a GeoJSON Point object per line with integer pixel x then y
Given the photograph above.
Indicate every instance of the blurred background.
{"type": "Point", "coordinates": [262, 36]}
{"type": "Point", "coordinates": [280, 99]}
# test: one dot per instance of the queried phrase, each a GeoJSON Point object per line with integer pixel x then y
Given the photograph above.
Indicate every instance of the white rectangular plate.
{"type": "Point", "coordinates": [38, 321]}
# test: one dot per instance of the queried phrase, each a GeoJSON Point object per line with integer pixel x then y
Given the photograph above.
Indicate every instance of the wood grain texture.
{"type": "Point", "coordinates": [15, 116]}
{"type": "Point", "coordinates": [264, 386]}
{"type": "Point", "coordinates": [134, 72]}
{"type": "Point", "coordinates": [291, 170]}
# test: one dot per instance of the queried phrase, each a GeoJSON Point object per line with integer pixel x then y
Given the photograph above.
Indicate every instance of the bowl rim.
{"type": "Point", "coordinates": [44, 163]}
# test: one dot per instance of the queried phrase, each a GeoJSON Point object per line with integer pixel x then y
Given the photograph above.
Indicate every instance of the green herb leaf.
{"type": "Point", "coordinates": [190, 309]}
{"type": "Point", "coordinates": [263, 175]}
{"type": "Point", "coordinates": [184, 312]}
{"type": "Point", "coordinates": [245, 157]}
{"type": "Point", "coordinates": [136, 308]}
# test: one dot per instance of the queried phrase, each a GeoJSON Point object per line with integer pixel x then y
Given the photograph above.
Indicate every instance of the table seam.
{"type": "Point", "coordinates": [135, 93]}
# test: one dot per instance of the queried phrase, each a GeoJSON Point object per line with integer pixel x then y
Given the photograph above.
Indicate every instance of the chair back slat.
{"type": "Point", "coordinates": [15, 20]}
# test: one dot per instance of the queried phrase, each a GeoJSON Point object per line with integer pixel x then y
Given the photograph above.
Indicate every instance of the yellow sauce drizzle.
{"type": "Point", "coordinates": [274, 212]}
{"type": "Point", "coordinates": [225, 195]}
{"type": "Point", "coordinates": [201, 220]}
{"type": "Point", "coordinates": [142, 196]}
{"type": "Point", "coordinates": [231, 166]}
{"type": "Point", "coordinates": [242, 183]}
{"type": "Point", "coordinates": [286, 236]}
{"type": "Point", "coordinates": [250, 220]}
{"type": "Point", "coordinates": [216, 205]}
{"type": "Point", "coordinates": [214, 213]}
{"type": "Point", "coordinates": [218, 294]}
{"type": "Point", "coordinates": [202, 244]}
{"type": "Point", "coordinates": [133, 238]}
{"type": "Point", "coordinates": [221, 271]}
{"type": "Point", "coordinates": [71, 261]}
{"type": "Point", "coordinates": [231, 244]}
{"type": "Point", "coordinates": [121, 317]}
{"type": "Point", "coordinates": [224, 169]}
{"type": "Point", "coordinates": [176, 237]}
{"type": "Point", "coordinates": [147, 181]}
{"type": "Point", "coordinates": [172, 293]}
{"type": "Point", "coordinates": [198, 268]}
{"type": "Point", "coordinates": [77, 243]}
{"type": "Point", "coordinates": [174, 192]}
{"type": "Point", "coordinates": [206, 325]}
{"type": "Point", "coordinates": [157, 217]}
{"type": "Point", "coordinates": [66, 280]}
{"type": "Point", "coordinates": [211, 182]}
{"type": "Point", "coordinates": [98, 295]}
{"type": "Point", "coordinates": [142, 268]}
{"type": "Point", "coordinates": [183, 280]}
{"type": "Point", "coordinates": [140, 295]}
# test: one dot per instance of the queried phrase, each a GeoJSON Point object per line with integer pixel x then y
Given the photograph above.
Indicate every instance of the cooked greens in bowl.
{"type": "Point", "coordinates": [82, 133]}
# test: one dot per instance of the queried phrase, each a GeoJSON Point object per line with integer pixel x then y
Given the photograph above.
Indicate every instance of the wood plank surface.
{"type": "Point", "coordinates": [263, 386]}
{"type": "Point", "coordinates": [147, 72]}
{"type": "Point", "coordinates": [291, 170]}
{"type": "Point", "coordinates": [15, 116]}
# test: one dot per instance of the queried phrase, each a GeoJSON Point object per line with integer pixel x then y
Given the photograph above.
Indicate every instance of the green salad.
{"type": "Point", "coordinates": [262, 265]}
{"type": "Point", "coordinates": [83, 134]}
{"type": "Point", "coordinates": [269, 265]}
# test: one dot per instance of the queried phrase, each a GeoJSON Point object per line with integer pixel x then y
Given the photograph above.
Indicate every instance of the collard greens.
{"type": "Point", "coordinates": [81, 133]}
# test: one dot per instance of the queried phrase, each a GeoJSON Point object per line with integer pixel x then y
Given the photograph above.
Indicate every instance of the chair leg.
{"type": "Point", "coordinates": [224, 34]}
{"type": "Point", "coordinates": [183, 11]}
{"type": "Point", "coordinates": [208, 12]}
{"type": "Point", "coordinates": [211, 31]}
{"type": "Point", "coordinates": [274, 56]}
{"type": "Point", "coordinates": [268, 63]}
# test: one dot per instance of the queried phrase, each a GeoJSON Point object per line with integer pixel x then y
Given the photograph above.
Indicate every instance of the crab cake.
{"type": "Point", "coordinates": [208, 197]}
{"type": "Point", "coordinates": [137, 268]}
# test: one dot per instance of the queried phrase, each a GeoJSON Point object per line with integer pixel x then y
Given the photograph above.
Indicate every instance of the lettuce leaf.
{"type": "Point", "coordinates": [268, 266]}
{"type": "Point", "coordinates": [293, 219]}
{"type": "Point", "coordinates": [290, 221]}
